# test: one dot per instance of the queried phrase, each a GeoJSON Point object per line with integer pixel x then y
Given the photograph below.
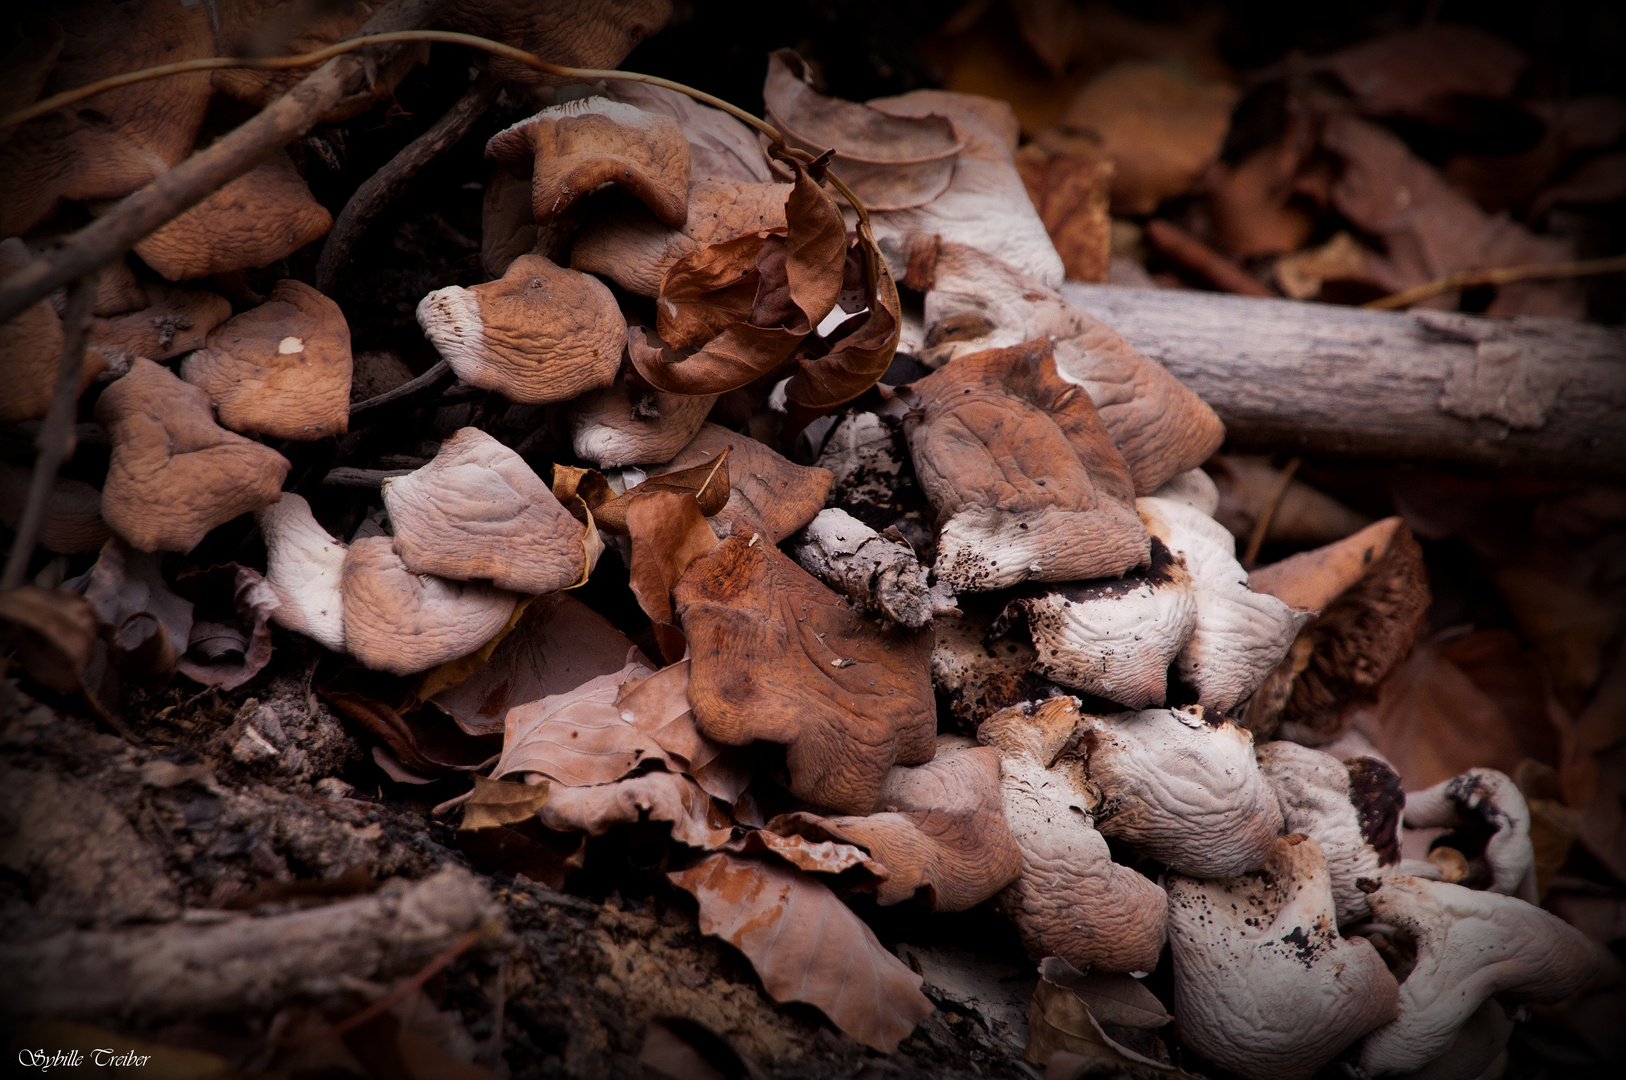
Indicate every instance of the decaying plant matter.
{"type": "Point", "coordinates": [691, 558]}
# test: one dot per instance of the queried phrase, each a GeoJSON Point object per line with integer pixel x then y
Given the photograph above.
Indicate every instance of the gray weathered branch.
{"type": "Point", "coordinates": [1538, 395]}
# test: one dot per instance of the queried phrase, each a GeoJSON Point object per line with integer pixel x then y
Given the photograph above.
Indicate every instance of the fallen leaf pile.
{"type": "Point", "coordinates": [928, 598]}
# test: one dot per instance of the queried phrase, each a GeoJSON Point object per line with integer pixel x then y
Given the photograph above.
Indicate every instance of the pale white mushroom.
{"type": "Point", "coordinates": [1115, 637]}
{"type": "Point", "coordinates": [1072, 900]}
{"type": "Point", "coordinates": [402, 623]}
{"type": "Point", "coordinates": [1489, 799]}
{"type": "Point", "coordinates": [1240, 635]}
{"type": "Point", "coordinates": [1179, 788]}
{"type": "Point", "coordinates": [1470, 946]}
{"type": "Point", "coordinates": [304, 567]}
{"type": "Point", "coordinates": [1263, 983]}
{"type": "Point", "coordinates": [1351, 810]}
{"type": "Point", "coordinates": [1195, 488]}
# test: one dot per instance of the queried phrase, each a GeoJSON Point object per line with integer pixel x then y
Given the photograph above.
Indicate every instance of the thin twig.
{"type": "Point", "coordinates": [1195, 255]}
{"type": "Point", "coordinates": [423, 383]}
{"type": "Point", "coordinates": [173, 192]}
{"type": "Point", "coordinates": [1506, 275]}
{"type": "Point", "coordinates": [345, 476]}
{"type": "Point", "coordinates": [385, 184]}
{"type": "Point", "coordinates": [398, 994]}
{"type": "Point", "coordinates": [1261, 525]}
{"type": "Point", "coordinates": [56, 442]}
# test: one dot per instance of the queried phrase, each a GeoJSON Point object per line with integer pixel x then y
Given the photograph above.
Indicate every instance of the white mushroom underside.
{"type": "Point", "coordinates": [981, 549]}
{"type": "Point", "coordinates": [450, 318]}
{"type": "Point", "coordinates": [1116, 646]}
{"type": "Point", "coordinates": [1312, 789]}
{"type": "Point", "coordinates": [304, 566]}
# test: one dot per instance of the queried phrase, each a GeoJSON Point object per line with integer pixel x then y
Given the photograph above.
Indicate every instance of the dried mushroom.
{"type": "Point", "coordinates": [175, 474]}
{"type": "Point", "coordinates": [305, 568]}
{"type": "Point", "coordinates": [537, 334]}
{"type": "Point", "coordinates": [478, 511]}
{"type": "Point", "coordinates": [620, 425]}
{"type": "Point", "coordinates": [767, 491]}
{"type": "Point", "coordinates": [282, 369]}
{"type": "Point", "coordinates": [1024, 478]}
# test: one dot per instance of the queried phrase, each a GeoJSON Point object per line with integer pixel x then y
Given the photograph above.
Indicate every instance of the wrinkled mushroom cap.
{"type": "Point", "coordinates": [1263, 983]}
{"type": "Point", "coordinates": [305, 567]}
{"type": "Point", "coordinates": [1180, 788]}
{"type": "Point", "coordinates": [478, 511]}
{"type": "Point", "coordinates": [401, 622]}
{"type": "Point", "coordinates": [1072, 900]}
{"type": "Point", "coordinates": [591, 33]}
{"type": "Point", "coordinates": [282, 369]}
{"type": "Point", "coordinates": [1470, 945]}
{"type": "Point", "coordinates": [72, 522]}
{"type": "Point", "coordinates": [262, 216]}
{"type": "Point", "coordinates": [1489, 799]}
{"type": "Point", "coordinates": [767, 491]}
{"type": "Point", "coordinates": [537, 334]}
{"type": "Point", "coordinates": [175, 474]}
{"type": "Point", "coordinates": [165, 323]}
{"type": "Point", "coordinates": [573, 148]}
{"type": "Point", "coordinates": [620, 426]}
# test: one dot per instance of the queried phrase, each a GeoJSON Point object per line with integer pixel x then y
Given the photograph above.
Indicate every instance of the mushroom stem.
{"type": "Point", "coordinates": [56, 441]}
{"type": "Point", "coordinates": [388, 182]}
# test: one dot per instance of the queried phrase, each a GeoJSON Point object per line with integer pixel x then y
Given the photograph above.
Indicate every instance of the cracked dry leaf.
{"type": "Point", "coordinates": [733, 311]}
{"type": "Point", "coordinates": [571, 149]}
{"type": "Point", "coordinates": [777, 656]}
{"type": "Point", "coordinates": [539, 333]}
{"type": "Point", "coordinates": [807, 946]}
{"type": "Point", "coordinates": [890, 162]}
{"type": "Point", "coordinates": [175, 474]}
{"type": "Point", "coordinates": [478, 511]}
{"type": "Point", "coordinates": [767, 491]}
{"type": "Point", "coordinates": [558, 644]}
{"type": "Point", "coordinates": [976, 302]}
{"type": "Point", "coordinates": [1022, 473]}
{"type": "Point", "coordinates": [282, 369]}
{"type": "Point", "coordinates": [939, 831]}
{"type": "Point", "coordinates": [1069, 180]}
{"type": "Point", "coordinates": [580, 737]}
{"type": "Point", "coordinates": [668, 533]}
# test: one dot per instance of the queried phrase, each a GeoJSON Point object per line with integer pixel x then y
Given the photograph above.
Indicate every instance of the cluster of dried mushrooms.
{"type": "Point", "coordinates": [999, 510]}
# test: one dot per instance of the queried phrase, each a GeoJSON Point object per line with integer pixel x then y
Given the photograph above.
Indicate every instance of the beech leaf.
{"type": "Point", "coordinates": [501, 802]}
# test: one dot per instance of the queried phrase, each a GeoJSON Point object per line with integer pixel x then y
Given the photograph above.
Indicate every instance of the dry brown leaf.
{"type": "Point", "coordinates": [1069, 180]}
{"type": "Point", "coordinates": [149, 626]}
{"type": "Point", "coordinates": [676, 1048]}
{"type": "Point", "coordinates": [659, 706]}
{"type": "Point", "coordinates": [1412, 72]}
{"type": "Point", "coordinates": [706, 483]}
{"type": "Point", "coordinates": [767, 492]}
{"type": "Point", "coordinates": [558, 644]}
{"type": "Point", "coordinates": [940, 828]}
{"type": "Point", "coordinates": [1301, 515]}
{"type": "Point", "coordinates": [1302, 274]}
{"type": "Point", "coordinates": [777, 656]}
{"type": "Point", "coordinates": [652, 796]}
{"type": "Point", "coordinates": [72, 519]}
{"type": "Point", "coordinates": [52, 631]}
{"type": "Point", "coordinates": [890, 162]}
{"type": "Point", "coordinates": [668, 533]}
{"type": "Point", "coordinates": [421, 739]}
{"type": "Point", "coordinates": [1063, 1021]}
{"type": "Point", "coordinates": [1160, 124]}
{"type": "Point", "coordinates": [580, 737]}
{"type": "Point", "coordinates": [230, 641]}
{"type": "Point", "coordinates": [805, 853]}
{"type": "Point", "coordinates": [807, 946]}
{"type": "Point", "coordinates": [1022, 473]}
{"type": "Point", "coordinates": [1250, 201]}
{"type": "Point", "coordinates": [495, 803]}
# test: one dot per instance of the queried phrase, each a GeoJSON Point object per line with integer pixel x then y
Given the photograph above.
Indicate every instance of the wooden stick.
{"type": "Point", "coordinates": [56, 442]}
{"type": "Point", "coordinates": [422, 384]}
{"type": "Point", "coordinates": [205, 172]}
{"type": "Point", "coordinates": [385, 184]}
{"type": "Point", "coordinates": [1534, 395]}
{"type": "Point", "coordinates": [1469, 279]}
{"type": "Point", "coordinates": [397, 994]}
{"type": "Point", "coordinates": [1195, 255]}
{"type": "Point", "coordinates": [1256, 539]}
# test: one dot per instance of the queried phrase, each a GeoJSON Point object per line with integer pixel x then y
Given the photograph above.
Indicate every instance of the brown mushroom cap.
{"type": "Point", "coordinates": [478, 511]}
{"type": "Point", "coordinates": [73, 511]}
{"type": "Point", "coordinates": [768, 492]}
{"type": "Point", "coordinates": [254, 220]}
{"type": "Point", "coordinates": [31, 348]}
{"type": "Point", "coordinates": [635, 250]}
{"type": "Point", "coordinates": [569, 150]}
{"type": "Point", "coordinates": [175, 474]}
{"type": "Point", "coordinates": [1370, 595]}
{"type": "Point", "coordinates": [539, 333]}
{"type": "Point", "coordinates": [1072, 900]}
{"type": "Point", "coordinates": [282, 369]}
{"type": "Point", "coordinates": [621, 426]}
{"type": "Point", "coordinates": [1022, 474]}
{"type": "Point", "coordinates": [591, 33]}
{"type": "Point", "coordinates": [401, 622]}
{"type": "Point", "coordinates": [108, 146]}
{"type": "Point", "coordinates": [1161, 427]}
{"type": "Point", "coordinates": [1180, 788]}
{"type": "Point", "coordinates": [164, 323]}
{"type": "Point", "coordinates": [1263, 984]}
{"type": "Point", "coordinates": [777, 656]}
